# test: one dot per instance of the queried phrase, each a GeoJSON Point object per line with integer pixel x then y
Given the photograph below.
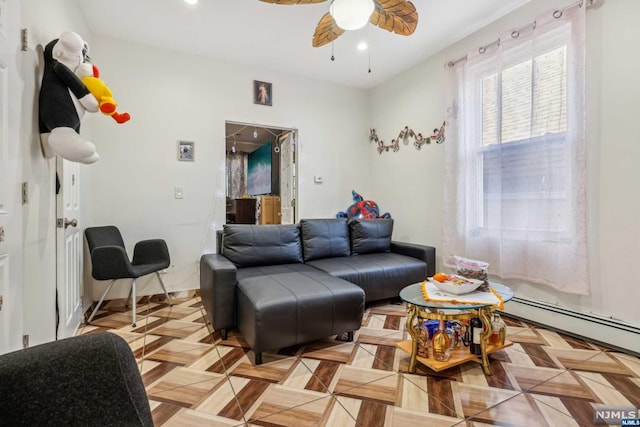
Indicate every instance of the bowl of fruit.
{"type": "Point", "coordinates": [454, 284]}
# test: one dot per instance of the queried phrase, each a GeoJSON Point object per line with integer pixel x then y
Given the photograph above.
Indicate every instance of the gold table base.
{"type": "Point", "coordinates": [413, 327]}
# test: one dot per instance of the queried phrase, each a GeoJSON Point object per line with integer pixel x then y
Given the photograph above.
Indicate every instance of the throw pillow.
{"type": "Point", "coordinates": [252, 245]}
{"type": "Point", "coordinates": [324, 238]}
{"type": "Point", "coordinates": [370, 235]}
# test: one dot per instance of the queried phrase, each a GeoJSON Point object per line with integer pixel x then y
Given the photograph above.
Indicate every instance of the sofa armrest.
{"type": "Point", "coordinates": [423, 252]}
{"type": "Point", "coordinates": [218, 290]}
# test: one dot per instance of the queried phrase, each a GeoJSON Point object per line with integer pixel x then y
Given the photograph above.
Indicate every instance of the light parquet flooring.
{"type": "Point", "coordinates": [193, 377]}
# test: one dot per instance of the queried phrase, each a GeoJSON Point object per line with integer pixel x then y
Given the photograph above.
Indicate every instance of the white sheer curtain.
{"type": "Point", "coordinates": [515, 161]}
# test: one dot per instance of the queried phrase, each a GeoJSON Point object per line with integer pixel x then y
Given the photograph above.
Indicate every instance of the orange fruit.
{"type": "Point", "coordinates": [440, 277]}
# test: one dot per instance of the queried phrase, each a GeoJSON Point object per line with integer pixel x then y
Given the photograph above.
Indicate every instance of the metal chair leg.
{"type": "Point", "coordinates": [126, 303]}
{"type": "Point", "coordinates": [164, 289]}
{"type": "Point", "coordinates": [95, 310]}
{"type": "Point", "coordinates": [133, 294]}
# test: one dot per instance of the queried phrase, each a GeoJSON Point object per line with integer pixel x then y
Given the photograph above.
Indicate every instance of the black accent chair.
{"type": "Point", "coordinates": [88, 380]}
{"type": "Point", "coordinates": [109, 261]}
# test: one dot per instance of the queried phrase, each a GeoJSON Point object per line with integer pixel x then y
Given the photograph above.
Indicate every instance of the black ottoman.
{"type": "Point", "coordinates": [284, 305]}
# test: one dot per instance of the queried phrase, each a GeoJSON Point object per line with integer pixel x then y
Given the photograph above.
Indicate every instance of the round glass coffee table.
{"type": "Point", "coordinates": [419, 309]}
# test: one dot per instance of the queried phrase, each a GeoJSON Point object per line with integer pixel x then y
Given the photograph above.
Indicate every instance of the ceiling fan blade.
{"type": "Point", "coordinates": [396, 16]}
{"type": "Point", "coordinates": [326, 31]}
{"type": "Point", "coordinates": [293, 1]}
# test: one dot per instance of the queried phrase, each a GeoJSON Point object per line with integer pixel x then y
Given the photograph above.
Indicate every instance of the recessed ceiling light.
{"type": "Point", "coordinates": [362, 46]}
{"type": "Point", "coordinates": [191, 1]}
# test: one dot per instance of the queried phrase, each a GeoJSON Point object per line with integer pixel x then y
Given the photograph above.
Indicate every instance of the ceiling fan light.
{"type": "Point", "coordinates": [351, 14]}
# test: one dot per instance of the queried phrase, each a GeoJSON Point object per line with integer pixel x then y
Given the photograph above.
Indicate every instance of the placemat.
{"type": "Point", "coordinates": [430, 292]}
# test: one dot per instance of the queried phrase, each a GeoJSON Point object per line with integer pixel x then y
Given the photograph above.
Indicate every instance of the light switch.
{"type": "Point", "coordinates": [178, 192]}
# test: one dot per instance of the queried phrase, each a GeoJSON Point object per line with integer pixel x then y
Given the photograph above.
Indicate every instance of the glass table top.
{"type": "Point", "coordinates": [412, 294]}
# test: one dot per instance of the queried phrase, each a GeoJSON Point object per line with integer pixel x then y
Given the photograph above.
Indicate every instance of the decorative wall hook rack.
{"type": "Point", "coordinates": [418, 139]}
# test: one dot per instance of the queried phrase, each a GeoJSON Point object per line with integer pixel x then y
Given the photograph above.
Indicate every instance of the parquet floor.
{"type": "Point", "coordinates": [193, 378]}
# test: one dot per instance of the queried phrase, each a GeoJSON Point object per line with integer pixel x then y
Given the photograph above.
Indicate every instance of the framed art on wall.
{"type": "Point", "coordinates": [262, 93]}
{"type": "Point", "coordinates": [186, 151]}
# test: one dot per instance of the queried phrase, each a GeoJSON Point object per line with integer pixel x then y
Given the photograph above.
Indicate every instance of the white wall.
{"type": "Point", "coordinates": [416, 99]}
{"type": "Point", "coordinates": [173, 96]}
{"type": "Point", "coordinates": [44, 22]}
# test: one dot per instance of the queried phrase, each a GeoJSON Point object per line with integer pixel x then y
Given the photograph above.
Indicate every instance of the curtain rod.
{"type": "Point", "coordinates": [516, 33]}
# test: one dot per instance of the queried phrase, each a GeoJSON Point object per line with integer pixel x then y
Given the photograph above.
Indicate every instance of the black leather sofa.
{"type": "Point", "coordinates": [282, 285]}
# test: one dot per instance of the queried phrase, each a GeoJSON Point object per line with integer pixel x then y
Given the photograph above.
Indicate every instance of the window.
{"type": "Point", "coordinates": [526, 100]}
{"type": "Point", "coordinates": [524, 111]}
{"type": "Point", "coordinates": [515, 161]}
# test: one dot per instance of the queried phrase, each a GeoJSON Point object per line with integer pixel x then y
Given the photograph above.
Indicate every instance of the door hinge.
{"type": "Point", "coordinates": [25, 193]}
{"type": "Point", "coordinates": [24, 39]}
{"type": "Point", "coordinates": [25, 341]}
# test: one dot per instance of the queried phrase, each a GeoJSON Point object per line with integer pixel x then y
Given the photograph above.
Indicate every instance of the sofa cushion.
{"type": "Point", "coordinates": [283, 305]}
{"type": "Point", "coordinates": [248, 245]}
{"type": "Point", "coordinates": [324, 238]}
{"type": "Point", "coordinates": [370, 235]}
{"type": "Point", "coordinates": [381, 275]}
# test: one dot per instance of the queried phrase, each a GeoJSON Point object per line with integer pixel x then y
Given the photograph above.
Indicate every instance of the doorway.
{"type": "Point", "coordinates": [261, 174]}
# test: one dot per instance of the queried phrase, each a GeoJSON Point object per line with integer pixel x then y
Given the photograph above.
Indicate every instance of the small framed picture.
{"type": "Point", "coordinates": [186, 151]}
{"type": "Point", "coordinates": [262, 93]}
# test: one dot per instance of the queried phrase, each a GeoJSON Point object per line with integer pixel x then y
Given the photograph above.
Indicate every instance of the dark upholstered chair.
{"type": "Point", "coordinates": [88, 380]}
{"type": "Point", "coordinates": [109, 261]}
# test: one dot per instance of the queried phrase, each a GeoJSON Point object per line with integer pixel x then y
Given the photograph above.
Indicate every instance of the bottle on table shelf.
{"type": "Point", "coordinates": [499, 330]}
{"type": "Point", "coordinates": [476, 330]}
{"type": "Point", "coordinates": [454, 329]}
{"type": "Point", "coordinates": [441, 344]}
{"type": "Point", "coordinates": [423, 340]}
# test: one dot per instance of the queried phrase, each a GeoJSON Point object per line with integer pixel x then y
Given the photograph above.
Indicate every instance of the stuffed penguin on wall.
{"type": "Point", "coordinates": [64, 100]}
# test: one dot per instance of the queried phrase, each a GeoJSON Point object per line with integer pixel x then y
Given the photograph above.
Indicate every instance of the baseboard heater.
{"type": "Point", "coordinates": [619, 335]}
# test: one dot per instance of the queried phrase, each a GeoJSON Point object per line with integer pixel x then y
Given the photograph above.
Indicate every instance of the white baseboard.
{"type": "Point", "coordinates": [616, 333]}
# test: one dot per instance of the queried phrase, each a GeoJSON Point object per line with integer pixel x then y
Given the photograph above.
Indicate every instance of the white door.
{"type": "Point", "coordinates": [69, 249]}
{"type": "Point", "coordinates": [287, 179]}
{"type": "Point", "coordinates": [11, 299]}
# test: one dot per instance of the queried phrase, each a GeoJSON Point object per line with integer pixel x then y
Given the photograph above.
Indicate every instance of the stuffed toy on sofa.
{"type": "Point", "coordinates": [64, 100]}
{"type": "Point", "coordinates": [90, 76]}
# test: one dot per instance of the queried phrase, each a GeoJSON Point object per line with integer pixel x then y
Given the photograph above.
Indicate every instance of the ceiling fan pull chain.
{"type": "Point", "coordinates": [370, 44]}
{"type": "Point", "coordinates": [333, 58]}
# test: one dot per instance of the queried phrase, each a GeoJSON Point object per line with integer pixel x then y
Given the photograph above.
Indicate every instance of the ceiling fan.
{"type": "Point", "coordinates": [396, 16]}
